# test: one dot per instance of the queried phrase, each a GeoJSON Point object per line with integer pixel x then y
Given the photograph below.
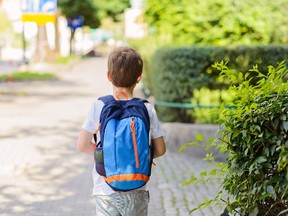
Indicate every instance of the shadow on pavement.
{"type": "Point", "coordinates": [55, 182]}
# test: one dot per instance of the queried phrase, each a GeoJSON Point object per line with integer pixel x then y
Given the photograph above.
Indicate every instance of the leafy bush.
{"type": "Point", "coordinates": [207, 107]}
{"type": "Point", "coordinates": [174, 73]}
{"type": "Point", "coordinates": [255, 137]}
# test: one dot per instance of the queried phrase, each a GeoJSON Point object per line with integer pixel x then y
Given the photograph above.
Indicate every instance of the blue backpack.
{"type": "Point", "coordinates": [124, 155]}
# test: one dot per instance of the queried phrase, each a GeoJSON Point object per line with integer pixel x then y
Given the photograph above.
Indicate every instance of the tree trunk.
{"type": "Point", "coordinates": [72, 41]}
{"type": "Point", "coordinates": [41, 45]}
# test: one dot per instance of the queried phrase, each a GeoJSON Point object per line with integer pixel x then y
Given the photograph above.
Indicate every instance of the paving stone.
{"type": "Point", "coordinates": [41, 171]}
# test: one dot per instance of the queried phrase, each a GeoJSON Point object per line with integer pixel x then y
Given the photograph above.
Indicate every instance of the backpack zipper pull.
{"type": "Point", "coordinates": [133, 131]}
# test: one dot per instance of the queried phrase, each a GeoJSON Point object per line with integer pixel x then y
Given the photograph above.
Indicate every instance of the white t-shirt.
{"type": "Point", "coordinates": [91, 123]}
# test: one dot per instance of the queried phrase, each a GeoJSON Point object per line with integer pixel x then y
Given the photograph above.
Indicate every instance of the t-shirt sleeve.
{"type": "Point", "coordinates": [92, 120]}
{"type": "Point", "coordinates": [155, 127]}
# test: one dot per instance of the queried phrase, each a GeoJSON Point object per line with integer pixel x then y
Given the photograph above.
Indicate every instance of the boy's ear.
{"type": "Point", "coordinates": [138, 79]}
{"type": "Point", "coordinates": [109, 76]}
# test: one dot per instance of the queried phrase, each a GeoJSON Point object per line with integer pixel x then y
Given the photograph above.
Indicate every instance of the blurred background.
{"type": "Point", "coordinates": [38, 30]}
{"type": "Point", "coordinates": [41, 30]}
{"type": "Point", "coordinates": [62, 45]}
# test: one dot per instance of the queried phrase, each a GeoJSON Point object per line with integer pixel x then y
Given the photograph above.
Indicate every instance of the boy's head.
{"type": "Point", "coordinates": [124, 67]}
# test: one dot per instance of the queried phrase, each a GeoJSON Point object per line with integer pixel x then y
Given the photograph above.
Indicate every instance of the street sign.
{"type": "Point", "coordinates": [39, 11]}
{"type": "Point", "coordinates": [75, 22]}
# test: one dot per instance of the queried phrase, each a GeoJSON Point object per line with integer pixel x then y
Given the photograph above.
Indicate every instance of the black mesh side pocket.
{"type": "Point", "coordinates": [99, 159]}
{"type": "Point", "coordinates": [151, 156]}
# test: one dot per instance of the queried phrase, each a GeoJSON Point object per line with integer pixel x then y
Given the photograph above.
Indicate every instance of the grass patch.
{"type": "Point", "coordinates": [66, 59]}
{"type": "Point", "coordinates": [27, 76]}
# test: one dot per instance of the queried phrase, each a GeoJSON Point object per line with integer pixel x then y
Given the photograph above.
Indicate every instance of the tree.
{"type": "Point", "coordinates": [219, 22]}
{"type": "Point", "coordinates": [84, 8]}
{"type": "Point", "coordinates": [111, 8]}
{"type": "Point", "coordinates": [5, 23]}
{"type": "Point", "coordinates": [6, 27]}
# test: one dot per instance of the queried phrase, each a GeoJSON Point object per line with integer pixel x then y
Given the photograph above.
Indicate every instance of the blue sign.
{"type": "Point", "coordinates": [75, 22]}
{"type": "Point", "coordinates": [39, 6]}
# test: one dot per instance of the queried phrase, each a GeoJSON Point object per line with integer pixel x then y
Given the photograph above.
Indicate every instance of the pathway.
{"type": "Point", "coordinates": [42, 173]}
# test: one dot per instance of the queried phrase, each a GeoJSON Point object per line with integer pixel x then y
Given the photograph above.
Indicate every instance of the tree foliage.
{"type": "Point", "coordinates": [6, 28]}
{"type": "Point", "coordinates": [5, 23]}
{"type": "Point", "coordinates": [84, 8]}
{"type": "Point", "coordinates": [111, 8]}
{"type": "Point", "coordinates": [219, 22]}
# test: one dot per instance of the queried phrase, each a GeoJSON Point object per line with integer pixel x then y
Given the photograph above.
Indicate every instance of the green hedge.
{"type": "Point", "coordinates": [174, 73]}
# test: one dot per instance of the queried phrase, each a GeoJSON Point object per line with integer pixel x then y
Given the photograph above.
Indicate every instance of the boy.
{"type": "Point", "coordinates": [124, 72]}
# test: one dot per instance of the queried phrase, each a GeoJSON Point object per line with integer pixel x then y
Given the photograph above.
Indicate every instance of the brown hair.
{"type": "Point", "coordinates": [125, 66]}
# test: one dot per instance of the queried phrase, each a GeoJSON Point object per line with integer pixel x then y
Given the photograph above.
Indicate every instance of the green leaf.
{"type": "Point", "coordinates": [188, 144]}
{"type": "Point", "coordinates": [193, 210]}
{"type": "Point", "coordinates": [254, 212]}
{"type": "Point", "coordinates": [199, 137]}
{"type": "Point", "coordinates": [258, 128]}
{"type": "Point", "coordinates": [264, 196]}
{"type": "Point", "coordinates": [251, 168]}
{"type": "Point", "coordinates": [209, 146]}
{"type": "Point", "coordinates": [285, 125]}
{"type": "Point", "coordinates": [192, 180]}
{"type": "Point", "coordinates": [276, 122]}
{"type": "Point", "coordinates": [213, 172]}
{"type": "Point", "coordinates": [203, 174]}
{"type": "Point", "coordinates": [244, 133]}
{"type": "Point", "coordinates": [210, 140]}
{"type": "Point", "coordinates": [246, 151]}
{"type": "Point", "coordinates": [267, 152]}
{"type": "Point", "coordinates": [204, 204]}
{"type": "Point", "coordinates": [240, 76]}
{"type": "Point", "coordinates": [209, 157]}
{"type": "Point", "coordinates": [261, 159]}
{"type": "Point", "coordinates": [253, 106]}
{"type": "Point", "coordinates": [270, 190]}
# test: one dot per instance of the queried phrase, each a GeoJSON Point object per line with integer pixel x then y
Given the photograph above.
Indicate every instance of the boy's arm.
{"type": "Point", "coordinates": [159, 146]}
{"type": "Point", "coordinates": [84, 143]}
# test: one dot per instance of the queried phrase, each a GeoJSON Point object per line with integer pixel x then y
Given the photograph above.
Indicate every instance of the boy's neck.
{"type": "Point", "coordinates": [122, 93]}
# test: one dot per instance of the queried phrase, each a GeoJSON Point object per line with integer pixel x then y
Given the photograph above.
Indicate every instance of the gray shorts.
{"type": "Point", "coordinates": [132, 203]}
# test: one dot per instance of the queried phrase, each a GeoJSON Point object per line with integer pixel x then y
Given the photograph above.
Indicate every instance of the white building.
{"type": "Point", "coordinates": [134, 25]}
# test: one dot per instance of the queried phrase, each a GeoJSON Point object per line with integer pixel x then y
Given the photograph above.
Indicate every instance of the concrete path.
{"type": "Point", "coordinates": [8, 67]}
{"type": "Point", "coordinates": [42, 173]}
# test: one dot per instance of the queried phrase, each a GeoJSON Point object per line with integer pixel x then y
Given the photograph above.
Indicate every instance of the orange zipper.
{"type": "Point", "coordinates": [132, 127]}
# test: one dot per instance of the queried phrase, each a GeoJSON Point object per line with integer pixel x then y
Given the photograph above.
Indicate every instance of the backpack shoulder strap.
{"type": "Point", "coordinates": [140, 100]}
{"type": "Point", "coordinates": [141, 110]}
{"type": "Point", "coordinates": [106, 99]}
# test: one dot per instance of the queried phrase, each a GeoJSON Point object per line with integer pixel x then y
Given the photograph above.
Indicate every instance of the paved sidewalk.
{"type": "Point", "coordinates": [42, 173]}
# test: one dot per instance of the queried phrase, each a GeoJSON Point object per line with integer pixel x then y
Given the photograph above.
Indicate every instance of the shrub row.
{"type": "Point", "coordinates": [174, 73]}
